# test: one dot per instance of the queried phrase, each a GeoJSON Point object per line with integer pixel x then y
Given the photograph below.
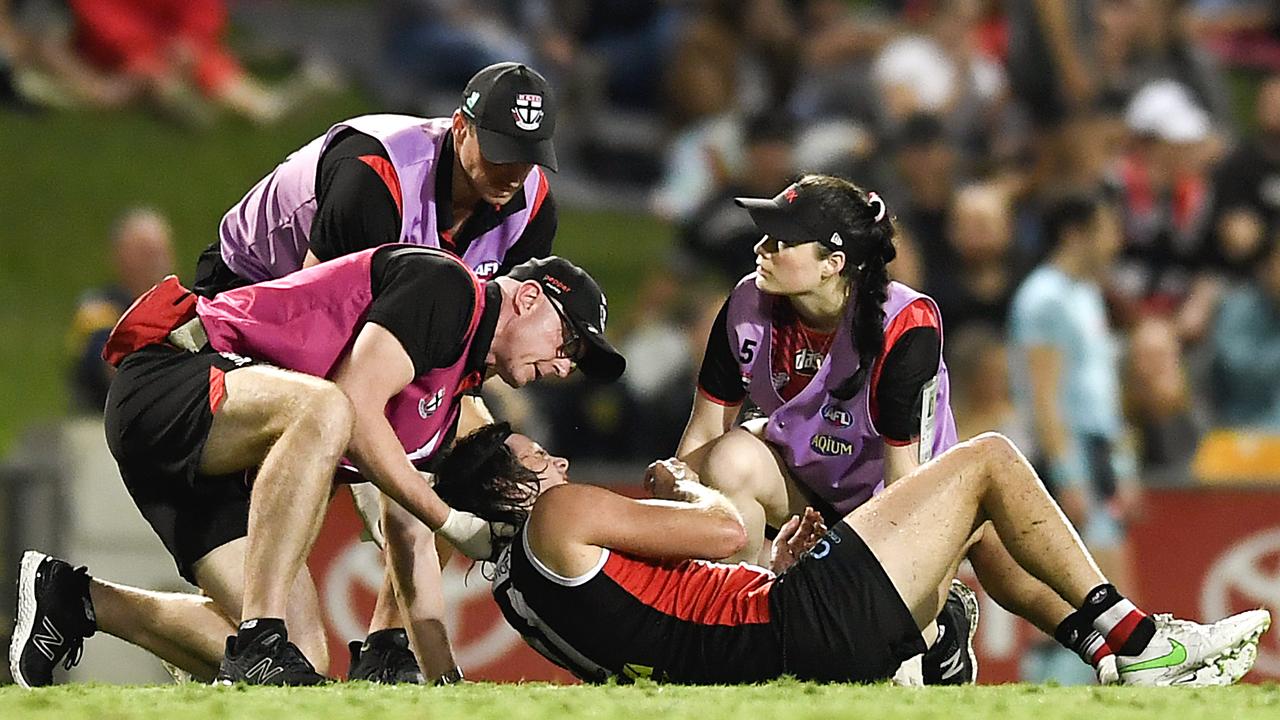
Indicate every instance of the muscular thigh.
{"type": "Point", "coordinates": [258, 404]}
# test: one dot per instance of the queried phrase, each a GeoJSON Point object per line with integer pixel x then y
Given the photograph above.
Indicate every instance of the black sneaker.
{"type": "Point", "coordinates": [385, 657]}
{"type": "Point", "coordinates": [269, 660]}
{"type": "Point", "coordinates": [951, 660]}
{"type": "Point", "coordinates": [55, 615]}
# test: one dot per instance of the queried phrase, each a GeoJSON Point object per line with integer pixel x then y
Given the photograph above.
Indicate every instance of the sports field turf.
{"type": "Point", "coordinates": [782, 700]}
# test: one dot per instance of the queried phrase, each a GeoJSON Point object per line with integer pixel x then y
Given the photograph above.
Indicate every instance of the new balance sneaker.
{"type": "Point", "coordinates": [55, 615]}
{"type": "Point", "coordinates": [269, 660]}
{"type": "Point", "coordinates": [385, 657]}
{"type": "Point", "coordinates": [1189, 653]}
{"type": "Point", "coordinates": [951, 660]}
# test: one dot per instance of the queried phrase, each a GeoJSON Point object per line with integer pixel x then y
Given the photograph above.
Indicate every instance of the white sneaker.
{"type": "Point", "coordinates": [1188, 653]}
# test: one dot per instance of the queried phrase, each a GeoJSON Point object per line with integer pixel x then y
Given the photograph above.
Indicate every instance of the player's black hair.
{"type": "Point", "coordinates": [481, 475]}
{"type": "Point", "coordinates": [1069, 212]}
{"type": "Point", "coordinates": [869, 248]}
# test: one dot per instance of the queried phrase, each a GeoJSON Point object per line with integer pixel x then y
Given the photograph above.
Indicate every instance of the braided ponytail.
{"type": "Point", "coordinates": [872, 289]}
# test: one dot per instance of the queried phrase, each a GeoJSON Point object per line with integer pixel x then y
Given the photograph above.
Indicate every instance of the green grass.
{"type": "Point", "coordinates": [537, 702]}
{"type": "Point", "coordinates": [64, 178]}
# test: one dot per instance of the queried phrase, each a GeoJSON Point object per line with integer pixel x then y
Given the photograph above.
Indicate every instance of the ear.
{"type": "Point", "coordinates": [527, 297]}
{"type": "Point", "coordinates": [834, 263]}
{"type": "Point", "coordinates": [459, 126]}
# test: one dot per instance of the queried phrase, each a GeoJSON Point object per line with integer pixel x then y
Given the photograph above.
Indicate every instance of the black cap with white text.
{"type": "Point", "coordinates": [583, 303]}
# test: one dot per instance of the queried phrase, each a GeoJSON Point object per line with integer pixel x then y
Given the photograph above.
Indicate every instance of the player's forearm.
{"type": "Point", "coordinates": [416, 572]}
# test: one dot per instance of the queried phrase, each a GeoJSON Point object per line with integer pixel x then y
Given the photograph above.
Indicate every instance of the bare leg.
{"type": "Point", "coordinates": [1013, 588]}
{"type": "Point", "coordinates": [386, 611]}
{"type": "Point", "coordinates": [221, 575]}
{"type": "Point", "coordinates": [919, 525]}
{"type": "Point", "coordinates": [748, 472]}
{"type": "Point", "coordinates": [296, 426]}
{"type": "Point", "coordinates": [414, 567]}
{"type": "Point", "coordinates": [184, 629]}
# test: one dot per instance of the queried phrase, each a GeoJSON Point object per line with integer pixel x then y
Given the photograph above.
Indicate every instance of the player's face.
{"type": "Point", "coordinates": [787, 269]}
{"type": "Point", "coordinates": [535, 346]}
{"type": "Point", "coordinates": [551, 469]}
{"type": "Point", "coordinates": [494, 183]}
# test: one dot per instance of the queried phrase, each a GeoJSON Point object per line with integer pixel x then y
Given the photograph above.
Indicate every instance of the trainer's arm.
{"type": "Point", "coordinates": [376, 369]}
{"type": "Point", "coordinates": [708, 420]}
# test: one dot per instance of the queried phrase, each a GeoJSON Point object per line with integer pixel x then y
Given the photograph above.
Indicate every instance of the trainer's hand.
{"type": "Point", "coordinates": [661, 477]}
{"type": "Point", "coordinates": [472, 535]}
{"type": "Point", "coordinates": [796, 537]}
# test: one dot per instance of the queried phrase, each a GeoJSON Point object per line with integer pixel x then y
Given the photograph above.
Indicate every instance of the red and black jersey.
{"type": "Point", "coordinates": [689, 621]}
{"type": "Point", "coordinates": [834, 616]}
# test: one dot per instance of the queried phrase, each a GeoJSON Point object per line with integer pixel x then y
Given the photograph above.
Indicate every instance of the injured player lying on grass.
{"type": "Point", "coordinates": [612, 587]}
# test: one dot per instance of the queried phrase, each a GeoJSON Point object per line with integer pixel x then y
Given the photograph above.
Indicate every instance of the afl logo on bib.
{"type": "Point", "coordinates": [837, 416]}
{"type": "Point", "coordinates": [528, 111]}
{"type": "Point", "coordinates": [487, 269]}
{"type": "Point", "coordinates": [830, 446]}
{"type": "Point", "coordinates": [428, 406]}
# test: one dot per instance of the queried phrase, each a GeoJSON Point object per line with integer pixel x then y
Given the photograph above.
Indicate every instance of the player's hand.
{"type": "Point", "coordinates": [796, 537]}
{"type": "Point", "coordinates": [662, 476]}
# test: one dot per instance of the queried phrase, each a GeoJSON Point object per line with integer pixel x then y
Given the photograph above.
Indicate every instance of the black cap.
{"type": "Point", "coordinates": [794, 217]}
{"type": "Point", "coordinates": [582, 301]}
{"type": "Point", "coordinates": [514, 113]}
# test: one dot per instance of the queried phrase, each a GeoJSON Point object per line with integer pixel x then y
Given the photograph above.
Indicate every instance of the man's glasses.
{"type": "Point", "coordinates": [573, 347]}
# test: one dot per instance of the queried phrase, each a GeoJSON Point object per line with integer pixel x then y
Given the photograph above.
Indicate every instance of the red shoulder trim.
{"type": "Point", "coordinates": [387, 172]}
{"type": "Point", "coordinates": [540, 194]}
{"type": "Point", "coordinates": [917, 313]}
{"type": "Point", "coordinates": [716, 400]}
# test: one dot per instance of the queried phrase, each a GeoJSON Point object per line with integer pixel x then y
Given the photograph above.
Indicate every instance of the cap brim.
{"type": "Point", "coordinates": [502, 149]}
{"type": "Point", "coordinates": [775, 220]}
{"type": "Point", "coordinates": [602, 360]}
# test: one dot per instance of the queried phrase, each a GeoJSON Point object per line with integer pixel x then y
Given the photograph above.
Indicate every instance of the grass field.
{"type": "Point", "coordinates": [783, 700]}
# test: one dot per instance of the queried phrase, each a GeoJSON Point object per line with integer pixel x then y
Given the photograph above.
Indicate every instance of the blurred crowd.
{"type": "Point", "coordinates": [971, 117]}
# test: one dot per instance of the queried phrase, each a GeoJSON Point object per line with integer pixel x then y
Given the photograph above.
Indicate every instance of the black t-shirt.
{"type": "Point", "coordinates": [910, 362]}
{"type": "Point", "coordinates": [358, 207]}
{"type": "Point", "coordinates": [426, 302]}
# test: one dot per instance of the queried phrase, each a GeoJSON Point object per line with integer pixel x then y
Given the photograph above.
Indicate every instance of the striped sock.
{"type": "Point", "coordinates": [1076, 633]}
{"type": "Point", "coordinates": [1126, 629]}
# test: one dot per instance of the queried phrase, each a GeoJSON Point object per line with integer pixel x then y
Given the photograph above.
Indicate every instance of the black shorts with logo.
{"type": "Point", "coordinates": [841, 618]}
{"type": "Point", "coordinates": [159, 412]}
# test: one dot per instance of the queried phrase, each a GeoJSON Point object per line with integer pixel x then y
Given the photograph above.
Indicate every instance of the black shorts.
{"type": "Point", "coordinates": [213, 275]}
{"type": "Point", "coordinates": [159, 411]}
{"type": "Point", "coordinates": [841, 618]}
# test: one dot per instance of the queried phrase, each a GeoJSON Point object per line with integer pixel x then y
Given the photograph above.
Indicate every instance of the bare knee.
{"type": "Point", "coordinates": [733, 466]}
{"type": "Point", "coordinates": [325, 414]}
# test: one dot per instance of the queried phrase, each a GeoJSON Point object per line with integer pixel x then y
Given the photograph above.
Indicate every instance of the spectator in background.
{"type": "Point", "coordinates": [921, 182]}
{"type": "Point", "coordinates": [1247, 191]}
{"type": "Point", "coordinates": [939, 68]}
{"type": "Point", "coordinates": [1166, 198]}
{"type": "Point", "coordinates": [980, 396]}
{"type": "Point", "coordinates": [719, 236]}
{"type": "Point", "coordinates": [979, 286]}
{"type": "Point", "coordinates": [1160, 404]}
{"type": "Point", "coordinates": [38, 65]}
{"type": "Point", "coordinates": [173, 51]}
{"type": "Point", "coordinates": [142, 252]}
{"type": "Point", "coordinates": [1246, 345]}
{"type": "Point", "coordinates": [1066, 382]}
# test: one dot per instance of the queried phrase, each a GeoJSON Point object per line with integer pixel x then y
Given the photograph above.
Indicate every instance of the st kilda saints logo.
{"type": "Point", "coordinates": [428, 406]}
{"type": "Point", "coordinates": [528, 111]}
{"type": "Point", "coordinates": [830, 445]}
{"type": "Point", "coordinates": [807, 362]}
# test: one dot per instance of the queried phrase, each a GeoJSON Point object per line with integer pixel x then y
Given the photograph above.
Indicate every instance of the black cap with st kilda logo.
{"type": "Point", "coordinates": [794, 217]}
{"type": "Point", "coordinates": [514, 113]}
{"type": "Point", "coordinates": [579, 298]}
